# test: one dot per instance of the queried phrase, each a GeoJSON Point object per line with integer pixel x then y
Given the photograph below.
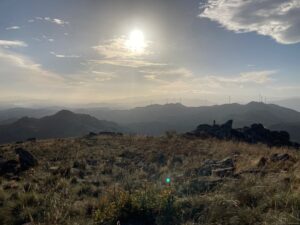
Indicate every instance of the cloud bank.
{"type": "Point", "coordinates": [278, 19]}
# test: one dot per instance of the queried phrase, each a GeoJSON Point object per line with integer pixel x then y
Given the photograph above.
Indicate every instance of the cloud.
{"type": "Point", "coordinates": [167, 74]}
{"type": "Point", "coordinates": [185, 83]}
{"type": "Point", "coordinates": [56, 21]}
{"type": "Point", "coordinates": [254, 77]}
{"type": "Point", "coordinates": [8, 43]}
{"type": "Point", "coordinates": [129, 63]}
{"type": "Point", "coordinates": [23, 78]}
{"type": "Point", "coordinates": [45, 37]}
{"type": "Point", "coordinates": [100, 76]}
{"type": "Point", "coordinates": [13, 28]}
{"type": "Point", "coordinates": [91, 80]}
{"type": "Point", "coordinates": [64, 56]}
{"type": "Point", "coordinates": [275, 18]}
{"type": "Point", "coordinates": [115, 52]}
{"type": "Point", "coordinates": [20, 64]}
{"type": "Point", "coordinates": [116, 49]}
{"type": "Point", "coordinates": [258, 77]}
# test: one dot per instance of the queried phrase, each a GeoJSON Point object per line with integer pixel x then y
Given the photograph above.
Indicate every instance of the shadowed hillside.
{"type": "Point", "coordinates": [62, 124]}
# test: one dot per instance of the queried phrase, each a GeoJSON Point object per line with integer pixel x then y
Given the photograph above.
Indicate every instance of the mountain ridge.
{"type": "Point", "coordinates": [62, 124]}
{"type": "Point", "coordinates": [157, 119]}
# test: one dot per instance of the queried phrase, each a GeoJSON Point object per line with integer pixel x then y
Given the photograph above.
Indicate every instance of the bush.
{"type": "Point", "coordinates": [148, 207]}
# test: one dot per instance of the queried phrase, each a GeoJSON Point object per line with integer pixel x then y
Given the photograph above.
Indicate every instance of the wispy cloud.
{"type": "Point", "coordinates": [186, 83]}
{"type": "Point", "coordinates": [64, 56]}
{"type": "Point", "coordinates": [56, 21]}
{"type": "Point", "coordinates": [128, 63]}
{"type": "Point", "coordinates": [254, 77]}
{"type": "Point", "coordinates": [9, 43]}
{"type": "Point", "coordinates": [100, 76]}
{"type": "Point", "coordinates": [167, 74]}
{"type": "Point", "coordinates": [15, 61]}
{"type": "Point", "coordinates": [13, 28]}
{"type": "Point", "coordinates": [275, 18]}
{"type": "Point", "coordinates": [115, 52]}
{"type": "Point", "coordinates": [116, 49]}
{"type": "Point", "coordinates": [258, 77]}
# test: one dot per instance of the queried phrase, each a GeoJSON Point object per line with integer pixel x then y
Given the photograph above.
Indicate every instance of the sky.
{"type": "Point", "coordinates": [141, 52]}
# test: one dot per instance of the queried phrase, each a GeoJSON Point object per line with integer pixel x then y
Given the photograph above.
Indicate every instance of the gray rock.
{"type": "Point", "coordinates": [26, 159]}
{"type": "Point", "coordinates": [280, 157]}
{"type": "Point", "coordinates": [213, 165]}
{"type": "Point", "coordinates": [8, 166]}
{"type": "Point", "coordinates": [226, 172]}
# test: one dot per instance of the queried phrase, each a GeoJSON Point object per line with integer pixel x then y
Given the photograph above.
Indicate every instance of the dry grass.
{"type": "Point", "coordinates": [107, 180]}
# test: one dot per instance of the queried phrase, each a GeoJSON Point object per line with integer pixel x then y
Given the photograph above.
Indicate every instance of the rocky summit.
{"type": "Point", "coordinates": [254, 134]}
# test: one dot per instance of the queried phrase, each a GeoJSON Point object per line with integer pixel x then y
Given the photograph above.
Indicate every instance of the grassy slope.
{"type": "Point", "coordinates": [100, 180]}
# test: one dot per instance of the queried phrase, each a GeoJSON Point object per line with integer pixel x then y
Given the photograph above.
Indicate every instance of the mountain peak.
{"type": "Point", "coordinates": [256, 103]}
{"type": "Point", "coordinates": [64, 113]}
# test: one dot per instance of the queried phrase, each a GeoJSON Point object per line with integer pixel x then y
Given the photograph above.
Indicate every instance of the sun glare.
{"type": "Point", "coordinates": [136, 41]}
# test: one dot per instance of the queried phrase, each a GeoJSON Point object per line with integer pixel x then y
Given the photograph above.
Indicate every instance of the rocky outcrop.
{"type": "Point", "coordinates": [209, 175]}
{"type": "Point", "coordinates": [222, 168]}
{"type": "Point", "coordinates": [275, 163]}
{"type": "Point", "coordinates": [254, 134]}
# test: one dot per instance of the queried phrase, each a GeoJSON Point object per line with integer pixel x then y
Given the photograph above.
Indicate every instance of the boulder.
{"type": "Point", "coordinates": [280, 157]}
{"type": "Point", "coordinates": [220, 167]}
{"type": "Point", "coordinates": [226, 172]}
{"type": "Point", "coordinates": [26, 159]}
{"type": "Point", "coordinates": [8, 166]}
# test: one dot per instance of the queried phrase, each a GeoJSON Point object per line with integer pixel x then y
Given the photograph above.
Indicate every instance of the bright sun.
{"type": "Point", "coordinates": [136, 41]}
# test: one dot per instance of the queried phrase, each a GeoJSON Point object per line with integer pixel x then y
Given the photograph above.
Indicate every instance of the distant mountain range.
{"type": "Point", "coordinates": [155, 119]}
{"type": "Point", "coordinates": [149, 120]}
{"type": "Point", "coordinates": [62, 124]}
{"type": "Point", "coordinates": [11, 115]}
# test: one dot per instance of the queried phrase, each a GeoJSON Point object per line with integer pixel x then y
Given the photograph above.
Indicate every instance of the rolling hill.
{"type": "Point", "coordinates": [62, 124]}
